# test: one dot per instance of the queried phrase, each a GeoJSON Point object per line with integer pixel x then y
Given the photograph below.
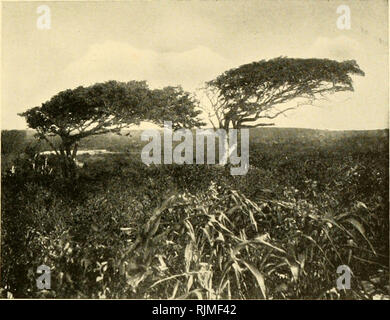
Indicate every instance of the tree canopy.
{"type": "Point", "coordinates": [242, 96]}
{"type": "Point", "coordinates": [176, 105]}
{"type": "Point", "coordinates": [108, 107]}
{"type": "Point", "coordinates": [104, 107]}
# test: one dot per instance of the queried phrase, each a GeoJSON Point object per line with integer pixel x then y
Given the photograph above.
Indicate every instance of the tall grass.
{"type": "Point", "coordinates": [124, 230]}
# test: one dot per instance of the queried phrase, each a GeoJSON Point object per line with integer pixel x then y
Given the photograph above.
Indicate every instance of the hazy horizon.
{"type": "Point", "coordinates": [258, 128]}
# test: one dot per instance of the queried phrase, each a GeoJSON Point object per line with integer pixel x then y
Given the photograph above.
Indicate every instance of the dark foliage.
{"type": "Point", "coordinates": [125, 230]}
{"type": "Point", "coordinates": [264, 90]}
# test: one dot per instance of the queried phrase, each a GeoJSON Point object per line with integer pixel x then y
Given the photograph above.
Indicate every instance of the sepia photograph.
{"type": "Point", "coordinates": [195, 150]}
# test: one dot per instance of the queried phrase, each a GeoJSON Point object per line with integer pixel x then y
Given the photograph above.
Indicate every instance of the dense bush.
{"type": "Point", "coordinates": [126, 230]}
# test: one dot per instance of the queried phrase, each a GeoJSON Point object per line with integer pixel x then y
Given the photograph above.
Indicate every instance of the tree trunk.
{"type": "Point", "coordinates": [67, 159]}
{"type": "Point", "coordinates": [226, 150]}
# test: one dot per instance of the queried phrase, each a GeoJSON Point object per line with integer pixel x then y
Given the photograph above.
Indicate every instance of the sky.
{"type": "Point", "coordinates": [189, 42]}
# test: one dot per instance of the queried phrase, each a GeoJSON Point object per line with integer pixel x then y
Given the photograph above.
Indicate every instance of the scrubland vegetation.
{"type": "Point", "coordinates": [311, 201]}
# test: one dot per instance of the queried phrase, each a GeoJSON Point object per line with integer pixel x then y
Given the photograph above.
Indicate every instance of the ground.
{"type": "Point", "coordinates": [311, 201]}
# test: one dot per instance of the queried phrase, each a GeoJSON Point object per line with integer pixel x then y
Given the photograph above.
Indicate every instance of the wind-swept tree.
{"type": "Point", "coordinates": [263, 90]}
{"type": "Point", "coordinates": [176, 105]}
{"type": "Point", "coordinates": [103, 108]}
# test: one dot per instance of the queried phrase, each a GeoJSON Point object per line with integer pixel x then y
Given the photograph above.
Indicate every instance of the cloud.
{"type": "Point", "coordinates": [120, 61]}
{"type": "Point", "coordinates": [338, 48]}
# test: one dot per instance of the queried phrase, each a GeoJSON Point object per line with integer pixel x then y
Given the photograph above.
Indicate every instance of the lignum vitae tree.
{"type": "Point", "coordinates": [253, 94]}
{"type": "Point", "coordinates": [176, 105]}
{"type": "Point", "coordinates": [102, 108]}
{"type": "Point", "coordinates": [244, 97]}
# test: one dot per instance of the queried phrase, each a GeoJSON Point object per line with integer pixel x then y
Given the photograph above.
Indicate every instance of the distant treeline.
{"type": "Point", "coordinates": [16, 141]}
